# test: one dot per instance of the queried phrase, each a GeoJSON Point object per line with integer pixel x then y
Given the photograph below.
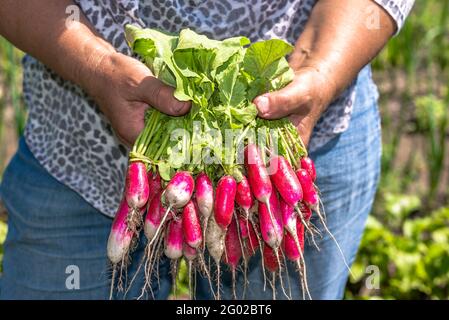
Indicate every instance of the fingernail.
{"type": "Point", "coordinates": [180, 107]}
{"type": "Point", "coordinates": [262, 104]}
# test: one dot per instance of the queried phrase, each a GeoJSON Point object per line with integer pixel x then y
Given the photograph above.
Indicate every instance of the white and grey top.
{"type": "Point", "coordinates": [73, 140]}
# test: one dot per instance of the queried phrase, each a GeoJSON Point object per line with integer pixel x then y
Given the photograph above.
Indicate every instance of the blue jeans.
{"type": "Point", "coordinates": [56, 242]}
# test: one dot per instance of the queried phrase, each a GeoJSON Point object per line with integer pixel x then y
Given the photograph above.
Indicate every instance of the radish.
{"type": "Point", "coordinates": [224, 201]}
{"type": "Point", "coordinates": [288, 216]}
{"type": "Point", "coordinates": [137, 189]}
{"type": "Point", "coordinates": [307, 164]}
{"type": "Point", "coordinates": [272, 263]}
{"type": "Point", "coordinates": [177, 193]}
{"type": "Point", "coordinates": [271, 222]}
{"type": "Point", "coordinates": [154, 216]}
{"type": "Point", "coordinates": [244, 226]}
{"type": "Point", "coordinates": [285, 181]}
{"type": "Point", "coordinates": [233, 251]}
{"type": "Point", "coordinates": [204, 193]}
{"type": "Point", "coordinates": [119, 241]}
{"type": "Point", "coordinates": [179, 190]}
{"type": "Point", "coordinates": [291, 248]}
{"type": "Point", "coordinates": [120, 237]}
{"type": "Point", "coordinates": [154, 183]}
{"type": "Point", "coordinates": [289, 185]}
{"type": "Point", "coordinates": [310, 195]}
{"type": "Point", "coordinates": [173, 239]}
{"type": "Point", "coordinates": [174, 246]}
{"type": "Point", "coordinates": [293, 245]}
{"type": "Point", "coordinates": [190, 255]}
{"type": "Point", "coordinates": [269, 257]}
{"type": "Point", "coordinates": [204, 197]}
{"type": "Point", "coordinates": [191, 225]}
{"type": "Point", "coordinates": [306, 212]}
{"type": "Point", "coordinates": [189, 252]}
{"type": "Point", "coordinates": [243, 196]}
{"type": "Point", "coordinates": [257, 174]}
{"type": "Point", "coordinates": [215, 245]}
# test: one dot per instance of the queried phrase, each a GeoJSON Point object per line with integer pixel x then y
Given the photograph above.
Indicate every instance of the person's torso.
{"type": "Point", "coordinates": [72, 139]}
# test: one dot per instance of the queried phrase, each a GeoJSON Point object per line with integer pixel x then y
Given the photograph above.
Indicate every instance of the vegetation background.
{"type": "Point", "coordinates": [405, 250]}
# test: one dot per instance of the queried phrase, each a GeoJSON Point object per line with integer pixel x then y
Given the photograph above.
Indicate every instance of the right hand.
{"type": "Point", "coordinates": [124, 88]}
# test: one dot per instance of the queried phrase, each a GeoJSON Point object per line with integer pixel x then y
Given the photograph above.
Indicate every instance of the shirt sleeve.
{"type": "Point", "coordinates": [397, 9]}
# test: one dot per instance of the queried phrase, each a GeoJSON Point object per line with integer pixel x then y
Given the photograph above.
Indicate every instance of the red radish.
{"type": "Point", "coordinates": [136, 187]}
{"type": "Point", "coordinates": [154, 183]}
{"type": "Point", "coordinates": [173, 239]}
{"type": "Point", "coordinates": [204, 198]}
{"type": "Point", "coordinates": [204, 193]}
{"type": "Point", "coordinates": [257, 174]}
{"type": "Point", "coordinates": [179, 190]}
{"type": "Point", "coordinates": [270, 258]}
{"type": "Point", "coordinates": [290, 245]}
{"type": "Point", "coordinates": [120, 237]}
{"type": "Point", "coordinates": [293, 245]}
{"type": "Point", "coordinates": [306, 212]}
{"type": "Point", "coordinates": [224, 201]}
{"type": "Point", "coordinates": [308, 165]}
{"type": "Point", "coordinates": [310, 194]}
{"type": "Point", "coordinates": [243, 196]}
{"type": "Point", "coordinates": [177, 193]}
{"type": "Point", "coordinates": [191, 225]}
{"type": "Point", "coordinates": [244, 226]}
{"type": "Point", "coordinates": [285, 180]}
{"type": "Point", "coordinates": [233, 250]}
{"type": "Point", "coordinates": [289, 216]}
{"type": "Point", "coordinates": [270, 221]}
{"type": "Point", "coordinates": [271, 262]}
{"type": "Point", "coordinates": [215, 245]}
{"type": "Point", "coordinates": [189, 253]}
{"type": "Point", "coordinates": [154, 216]}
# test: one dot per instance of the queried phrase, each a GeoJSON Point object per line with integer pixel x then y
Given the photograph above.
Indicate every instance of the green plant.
{"type": "Point", "coordinates": [412, 259]}
{"type": "Point", "coordinates": [433, 117]}
{"type": "Point", "coordinates": [10, 67]}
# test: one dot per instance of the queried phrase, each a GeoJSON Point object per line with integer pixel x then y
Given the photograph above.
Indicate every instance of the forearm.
{"type": "Point", "coordinates": [340, 38]}
{"type": "Point", "coordinates": [72, 50]}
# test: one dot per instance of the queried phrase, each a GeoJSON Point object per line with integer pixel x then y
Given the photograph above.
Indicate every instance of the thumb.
{"type": "Point", "coordinates": [282, 103]}
{"type": "Point", "coordinates": [161, 96]}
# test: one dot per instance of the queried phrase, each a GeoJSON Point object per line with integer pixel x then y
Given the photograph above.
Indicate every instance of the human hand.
{"type": "Point", "coordinates": [303, 100]}
{"type": "Point", "coordinates": [124, 88]}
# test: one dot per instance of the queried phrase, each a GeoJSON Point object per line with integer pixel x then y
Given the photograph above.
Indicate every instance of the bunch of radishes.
{"type": "Point", "coordinates": [266, 211]}
{"type": "Point", "coordinates": [230, 207]}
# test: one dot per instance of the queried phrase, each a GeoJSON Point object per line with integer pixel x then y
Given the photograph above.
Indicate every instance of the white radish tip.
{"type": "Point", "coordinates": [117, 247]}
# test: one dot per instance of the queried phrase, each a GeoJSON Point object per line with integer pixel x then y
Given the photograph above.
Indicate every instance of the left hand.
{"type": "Point", "coordinates": [303, 100]}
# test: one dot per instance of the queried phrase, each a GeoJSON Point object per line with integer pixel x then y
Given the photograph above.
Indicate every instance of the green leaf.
{"type": "Point", "coordinates": [262, 59]}
{"type": "Point", "coordinates": [283, 79]}
{"type": "Point", "coordinates": [156, 48]}
{"type": "Point", "coordinates": [232, 89]}
{"type": "Point", "coordinates": [165, 170]}
{"type": "Point", "coordinates": [236, 118]}
{"type": "Point", "coordinates": [189, 39]}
